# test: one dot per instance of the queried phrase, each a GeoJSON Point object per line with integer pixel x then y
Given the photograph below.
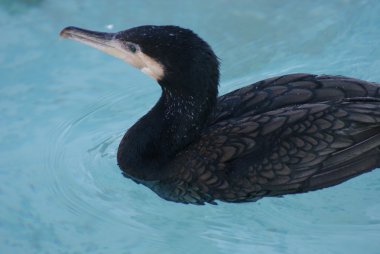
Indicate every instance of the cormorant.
{"type": "Point", "coordinates": [288, 134]}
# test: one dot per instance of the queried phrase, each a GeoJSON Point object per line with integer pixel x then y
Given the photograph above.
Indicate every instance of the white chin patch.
{"type": "Point", "coordinates": [151, 67]}
{"type": "Point", "coordinates": [138, 59]}
{"type": "Point", "coordinates": [149, 72]}
{"type": "Point", "coordinates": [146, 64]}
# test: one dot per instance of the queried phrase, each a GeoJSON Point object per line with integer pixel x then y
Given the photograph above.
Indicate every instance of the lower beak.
{"type": "Point", "coordinates": [108, 43]}
{"type": "Point", "coordinates": [103, 41]}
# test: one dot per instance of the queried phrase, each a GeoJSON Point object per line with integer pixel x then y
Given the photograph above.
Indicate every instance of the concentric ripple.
{"type": "Point", "coordinates": [82, 164]}
{"type": "Point", "coordinates": [61, 190]}
{"type": "Point", "coordinates": [82, 161]}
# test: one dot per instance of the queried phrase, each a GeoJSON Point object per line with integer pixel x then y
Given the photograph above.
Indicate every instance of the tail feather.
{"type": "Point", "coordinates": [354, 152]}
{"type": "Point", "coordinates": [366, 162]}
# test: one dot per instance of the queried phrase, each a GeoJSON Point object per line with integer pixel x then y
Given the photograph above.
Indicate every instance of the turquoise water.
{"type": "Point", "coordinates": [64, 107]}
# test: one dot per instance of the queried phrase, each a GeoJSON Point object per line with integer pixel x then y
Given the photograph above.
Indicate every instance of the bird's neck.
{"type": "Point", "coordinates": [174, 122]}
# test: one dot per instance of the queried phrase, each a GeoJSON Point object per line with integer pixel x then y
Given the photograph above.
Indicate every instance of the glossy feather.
{"type": "Point", "coordinates": [287, 134]}
{"type": "Point", "coordinates": [283, 135]}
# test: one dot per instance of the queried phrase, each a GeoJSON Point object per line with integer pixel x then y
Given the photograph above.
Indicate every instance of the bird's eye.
{"type": "Point", "coordinates": [132, 48]}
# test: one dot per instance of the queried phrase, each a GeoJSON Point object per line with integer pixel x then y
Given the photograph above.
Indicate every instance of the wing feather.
{"type": "Point", "coordinates": [282, 151]}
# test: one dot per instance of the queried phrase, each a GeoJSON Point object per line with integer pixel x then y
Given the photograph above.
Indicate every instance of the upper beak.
{"type": "Point", "coordinates": [105, 42]}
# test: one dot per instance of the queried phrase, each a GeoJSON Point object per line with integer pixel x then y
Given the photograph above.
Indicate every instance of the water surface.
{"type": "Point", "coordinates": [64, 108]}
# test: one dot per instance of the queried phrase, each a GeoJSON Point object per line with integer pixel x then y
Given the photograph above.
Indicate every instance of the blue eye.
{"type": "Point", "coordinates": [132, 48]}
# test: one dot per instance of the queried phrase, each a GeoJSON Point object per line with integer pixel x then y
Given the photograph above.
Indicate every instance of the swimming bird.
{"type": "Point", "coordinates": [283, 135]}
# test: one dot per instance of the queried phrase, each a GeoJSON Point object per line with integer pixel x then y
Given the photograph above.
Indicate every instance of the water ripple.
{"type": "Point", "coordinates": [82, 173]}
{"type": "Point", "coordinates": [87, 179]}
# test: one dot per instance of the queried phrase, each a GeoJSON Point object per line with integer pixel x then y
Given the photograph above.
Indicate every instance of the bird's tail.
{"type": "Point", "coordinates": [363, 157]}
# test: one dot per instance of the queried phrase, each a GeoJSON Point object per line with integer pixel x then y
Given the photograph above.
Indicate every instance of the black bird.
{"type": "Point", "coordinates": [287, 134]}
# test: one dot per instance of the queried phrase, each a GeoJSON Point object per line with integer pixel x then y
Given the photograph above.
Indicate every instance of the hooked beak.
{"type": "Point", "coordinates": [105, 42]}
{"type": "Point", "coordinates": [108, 43]}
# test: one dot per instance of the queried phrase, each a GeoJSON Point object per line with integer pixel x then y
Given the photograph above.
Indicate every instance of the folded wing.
{"type": "Point", "coordinates": [286, 150]}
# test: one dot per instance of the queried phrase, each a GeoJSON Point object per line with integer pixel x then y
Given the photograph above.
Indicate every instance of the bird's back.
{"type": "Point", "coordinates": [288, 134]}
{"type": "Point", "coordinates": [287, 90]}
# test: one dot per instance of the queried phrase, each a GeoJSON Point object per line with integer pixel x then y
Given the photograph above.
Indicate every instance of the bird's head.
{"type": "Point", "coordinates": [176, 57]}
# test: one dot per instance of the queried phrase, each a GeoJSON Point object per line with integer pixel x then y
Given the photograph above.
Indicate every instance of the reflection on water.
{"type": "Point", "coordinates": [64, 108]}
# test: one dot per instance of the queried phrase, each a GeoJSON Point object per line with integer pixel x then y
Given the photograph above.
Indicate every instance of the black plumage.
{"type": "Point", "coordinates": [288, 134]}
